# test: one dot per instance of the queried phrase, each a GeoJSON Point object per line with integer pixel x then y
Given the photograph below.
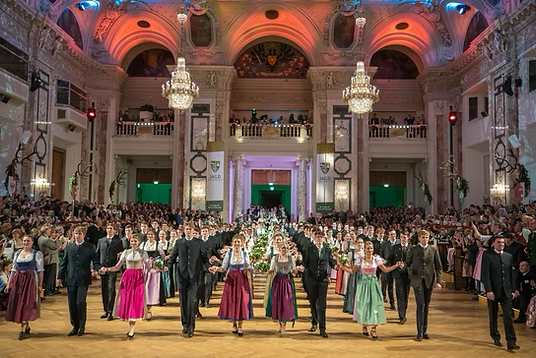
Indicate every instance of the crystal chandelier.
{"type": "Point", "coordinates": [181, 90]}
{"type": "Point", "coordinates": [360, 95]}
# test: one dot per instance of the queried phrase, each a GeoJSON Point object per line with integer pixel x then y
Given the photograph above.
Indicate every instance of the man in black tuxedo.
{"type": "Point", "coordinates": [401, 275]}
{"type": "Point", "coordinates": [211, 248]}
{"type": "Point", "coordinates": [525, 289]}
{"type": "Point", "coordinates": [317, 261]}
{"type": "Point", "coordinates": [386, 250]}
{"type": "Point", "coordinates": [515, 249]}
{"type": "Point", "coordinates": [425, 270]}
{"type": "Point", "coordinates": [95, 232]}
{"type": "Point", "coordinates": [191, 263]}
{"type": "Point", "coordinates": [108, 250]}
{"type": "Point", "coordinates": [75, 273]}
{"type": "Point", "coordinates": [498, 280]}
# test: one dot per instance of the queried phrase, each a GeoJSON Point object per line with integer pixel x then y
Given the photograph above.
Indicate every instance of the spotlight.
{"type": "Point", "coordinates": [81, 6]}
{"type": "Point", "coordinates": [462, 9]}
{"type": "Point", "coordinates": [453, 118]}
{"type": "Point", "coordinates": [507, 86]}
{"type": "Point", "coordinates": [36, 81]}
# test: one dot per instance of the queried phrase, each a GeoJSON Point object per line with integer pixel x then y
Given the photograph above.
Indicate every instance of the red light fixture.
{"type": "Point", "coordinates": [453, 118]}
{"type": "Point", "coordinates": [91, 112]}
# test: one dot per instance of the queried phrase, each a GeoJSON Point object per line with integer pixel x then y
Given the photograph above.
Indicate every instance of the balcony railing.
{"type": "Point", "coordinates": [134, 129]}
{"type": "Point", "coordinates": [397, 131]}
{"type": "Point", "coordinates": [252, 130]}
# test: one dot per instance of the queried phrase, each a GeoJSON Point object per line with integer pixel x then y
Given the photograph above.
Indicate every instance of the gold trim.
{"type": "Point", "coordinates": [325, 148]}
{"type": "Point", "coordinates": [217, 146]}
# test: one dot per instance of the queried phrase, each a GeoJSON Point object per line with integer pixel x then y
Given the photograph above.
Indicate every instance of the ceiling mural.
{"type": "Point", "coordinates": [272, 60]}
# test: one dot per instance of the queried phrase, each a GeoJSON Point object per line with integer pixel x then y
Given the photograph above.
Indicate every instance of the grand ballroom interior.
{"type": "Point", "coordinates": [316, 105]}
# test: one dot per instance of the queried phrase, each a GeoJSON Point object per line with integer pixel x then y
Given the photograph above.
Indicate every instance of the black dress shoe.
{"type": "Point", "coordinates": [73, 332]}
{"type": "Point", "coordinates": [313, 328]}
{"type": "Point", "coordinates": [324, 334]}
{"type": "Point", "coordinates": [131, 336]}
{"type": "Point", "coordinates": [404, 320]}
{"type": "Point", "coordinates": [520, 320]}
{"type": "Point", "coordinates": [512, 346]}
{"type": "Point", "coordinates": [184, 331]}
{"type": "Point", "coordinates": [392, 307]}
{"type": "Point", "coordinates": [418, 338]}
{"type": "Point", "coordinates": [57, 292]}
{"type": "Point", "coordinates": [110, 318]}
{"type": "Point", "coordinates": [105, 315]}
{"type": "Point", "coordinates": [27, 330]}
{"type": "Point", "coordinates": [190, 334]}
{"type": "Point", "coordinates": [207, 305]}
{"type": "Point", "coordinates": [21, 335]}
{"type": "Point", "coordinates": [81, 332]}
{"type": "Point", "coordinates": [198, 315]}
{"type": "Point", "coordinates": [497, 343]}
{"type": "Point", "coordinates": [425, 336]}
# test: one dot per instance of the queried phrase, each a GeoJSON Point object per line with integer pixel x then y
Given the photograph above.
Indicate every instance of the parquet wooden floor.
{"type": "Point", "coordinates": [458, 327]}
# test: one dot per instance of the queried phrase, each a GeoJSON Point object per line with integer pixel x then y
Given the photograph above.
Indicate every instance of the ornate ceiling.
{"type": "Point", "coordinates": [430, 32]}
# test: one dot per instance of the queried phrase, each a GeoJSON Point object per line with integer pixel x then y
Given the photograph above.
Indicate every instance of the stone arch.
{"type": "Point", "coordinates": [148, 48]}
{"type": "Point", "coordinates": [393, 64]}
{"type": "Point", "coordinates": [68, 22]}
{"type": "Point", "coordinates": [293, 27]}
{"type": "Point", "coordinates": [477, 24]}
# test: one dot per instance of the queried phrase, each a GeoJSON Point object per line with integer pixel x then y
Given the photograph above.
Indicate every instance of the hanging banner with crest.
{"type": "Point", "coordinates": [215, 177]}
{"type": "Point", "coordinates": [325, 177]}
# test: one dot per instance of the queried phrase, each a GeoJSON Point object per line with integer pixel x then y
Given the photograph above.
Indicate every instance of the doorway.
{"type": "Point", "coordinates": [271, 199]}
{"type": "Point", "coordinates": [58, 173]}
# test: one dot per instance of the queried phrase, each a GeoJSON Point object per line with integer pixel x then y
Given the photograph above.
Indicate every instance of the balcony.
{"type": "Point", "coordinates": [136, 129]}
{"type": "Point", "coordinates": [397, 131]}
{"type": "Point", "coordinates": [270, 131]}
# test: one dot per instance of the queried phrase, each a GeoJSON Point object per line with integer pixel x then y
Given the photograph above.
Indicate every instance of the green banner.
{"type": "Point", "coordinates": [325, 207]}
{"type": "Point", "coordinates": [214, 205]}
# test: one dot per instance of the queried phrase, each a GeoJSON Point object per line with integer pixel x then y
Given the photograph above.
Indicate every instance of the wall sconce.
{"type": "Point", "coordinates": [342, 195]}
{"type": "Point", "coordinates": [198, 188]}
{"type": "Point", "coordinates": [41, 185]}
{"type": "Point", "coordinates": [499, 192]}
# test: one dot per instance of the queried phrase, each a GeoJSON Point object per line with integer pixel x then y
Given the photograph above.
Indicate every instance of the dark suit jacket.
{"type": "Point", "coordinates": [424, 264]}
{"type": "Point", "coordinates": [524, 287]}
{"type": "Point", "coordinates": [516, 250]}
{"type": "Point", "coordinates": [94, 233]}
{"type": "Point", "coordinates": [108, 254]}
{"type": "Point", "coordinates": [191, 259]}
{"type": "Point", "coordinates": [497, 273]}
{"type": "Point", "coordinates": [75, 269]}
{"type": "Point", "coordinates": [212, 247]}
{"type": "Point", "coordinates": [397, 254]}
{"type": "Point", "coordinates": [386, 251]}
{"type": "Point", "coordinates": [317, 266]}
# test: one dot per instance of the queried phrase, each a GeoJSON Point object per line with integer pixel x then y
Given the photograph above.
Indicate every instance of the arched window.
{"type": "Point", "coordinates": [201, 30]}
{"type": "Point", "coordinates": [476, 26]}
{"type": "Point", "coordinates": [343, 31]}
{"type": "Point", "coordinates": [393, 64]}
{"type": "Point", "coordinates": [151, 63]}
{"type": "Point", "coordinates": [68, 23]}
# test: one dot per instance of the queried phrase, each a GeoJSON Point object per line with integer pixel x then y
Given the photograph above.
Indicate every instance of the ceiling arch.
{"type": "Point", "coordinates": [136, 50]}
{"type": "Point", "coordinates": [421, 38]}
{"type": "Point", "coordinates": [251, 26]}
{"type": "Point", "coordinates": [125, 34]}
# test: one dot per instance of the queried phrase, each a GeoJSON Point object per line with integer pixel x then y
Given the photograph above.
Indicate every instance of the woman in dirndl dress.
{"type": "Point", "coordinates": [152, 274]}
{"type": "Point", "coordinates": [131, 304]}
{"type": "Point", "coordinates": [24, 286]}
{"type": "Point", "coordinates": [369, 310]}
{"type": "Point", "coordinates": [282, 297]}
{"type": "Point", "coordinates": [271, 251]}
{"type": "Point", "coordinates": [236, 303]}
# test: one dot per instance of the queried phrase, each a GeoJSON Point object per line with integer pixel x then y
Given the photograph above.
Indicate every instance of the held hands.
{"type": "Point", "coordinates": [102, 271]}
{"type": "Point", "coordinates": [213, 269]}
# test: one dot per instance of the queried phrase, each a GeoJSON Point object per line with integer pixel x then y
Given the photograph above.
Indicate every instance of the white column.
{"type": "Point", "coordinates": [238, 206]}
{"type": "Point", "coordinates": [302, 190]}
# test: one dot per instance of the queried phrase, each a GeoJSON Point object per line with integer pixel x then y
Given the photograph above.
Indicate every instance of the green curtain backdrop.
{"type": "Point", "coordinates": [153, 193]}
{"type": "Point", "coordinates": [381, 197]}
{"type": "Point", "coordinates": [258, 189]}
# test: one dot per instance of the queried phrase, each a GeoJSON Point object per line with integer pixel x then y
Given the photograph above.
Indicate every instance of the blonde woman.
{"type": "Point", "coordinates": [271, 251]}
{"type": "Point", "coordinates": [369, 310]}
